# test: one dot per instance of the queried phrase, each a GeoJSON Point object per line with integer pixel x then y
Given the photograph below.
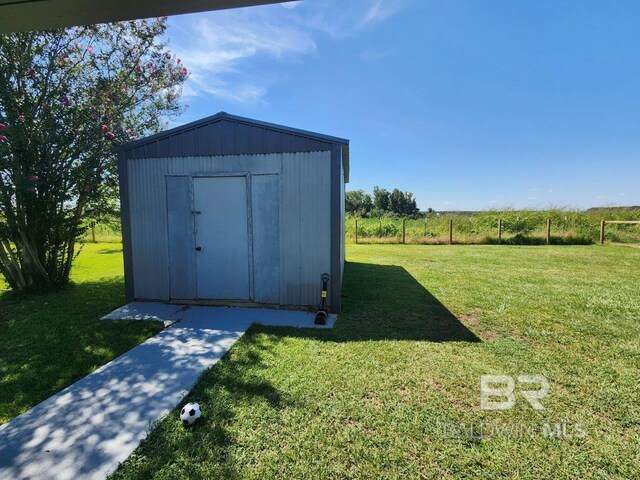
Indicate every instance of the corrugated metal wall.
{"type": "Point", "coordinates": [304, 218]}
{"type": "Point", "coordinates": [226, 137]}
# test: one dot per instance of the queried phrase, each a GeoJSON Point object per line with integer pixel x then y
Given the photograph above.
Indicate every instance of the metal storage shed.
{"type": "Point", "coordinates": [228, 210]}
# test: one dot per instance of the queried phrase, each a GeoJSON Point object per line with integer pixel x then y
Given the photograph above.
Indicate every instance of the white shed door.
{"type": "Point", "coordinates": [222, 238]}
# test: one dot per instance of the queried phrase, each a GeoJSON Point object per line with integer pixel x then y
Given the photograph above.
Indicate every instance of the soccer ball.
{"type": "Point", "coordinates": [189, 414]}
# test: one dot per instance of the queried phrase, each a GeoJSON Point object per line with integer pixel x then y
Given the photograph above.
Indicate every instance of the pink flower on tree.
{"type": "Point", "coordinates": [4, 138]}
{"type": "Point", "coordinates": [2, 126]}
{"type": "Point", "coordinates": [109, 135]}
{"type": "Point", "coordinates": [34, 178]}
{"type": "Point", "coordinates": [104, 128]}
{"type": "Point", "coordinates": [64, 100]}
{"type": "Point", "coordinates": [184, 71]}
{"type": "Point", "coordinates": [90, 50]}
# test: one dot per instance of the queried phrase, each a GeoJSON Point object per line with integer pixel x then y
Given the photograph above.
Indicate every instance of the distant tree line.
{"type": "Point", "coordinates": [381, 203]}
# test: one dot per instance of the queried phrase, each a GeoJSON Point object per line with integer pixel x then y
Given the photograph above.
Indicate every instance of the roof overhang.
{"type": "Point", "coordinates": [26, 15]}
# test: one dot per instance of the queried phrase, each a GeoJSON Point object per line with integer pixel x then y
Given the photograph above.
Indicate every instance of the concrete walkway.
{"type": "Point", "coordinates": [87, 429]}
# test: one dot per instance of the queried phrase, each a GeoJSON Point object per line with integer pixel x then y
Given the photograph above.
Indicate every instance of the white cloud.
{"type": "Point", "coordinates": [381, 10]}
{"type": "Point", "coordinates": [218, 47]}
{"type": "Point", "coordinates": [290, 4]}
{"type": "Point", "coordinates": [214, 47]}
{"type": "Point", "coordinates": [340, 18]}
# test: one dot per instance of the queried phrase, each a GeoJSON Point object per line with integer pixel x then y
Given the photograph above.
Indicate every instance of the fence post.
{"type": "Point", "coordinates": [548, 231]}
{"type": "Point", "coordinates": [499, 230]}
{"type": "Point", "coordinates": [602, 223]}
{"type": "Point", "coordinates": [356, 230]}
{"type": "Point", "coordinates": [450, 231]}
{"type": "Point", "coordinates": [425, 228]}
{"type": "Point", "coordinates": [93, 232]}
{"type": "Point", "coordinates": [403, 231]}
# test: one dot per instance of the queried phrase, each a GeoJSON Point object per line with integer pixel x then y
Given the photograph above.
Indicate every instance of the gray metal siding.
{"type": "Point", "coordinates": [149, 241]}
{"type": "Point", "coordinates": [315, 223]}
{"type": "Point", "coordinates": [290, 233]}
{"type": "Point", "coordinates": [265, 192]}
{"type": "Point", "coordinates": [337, 240]}
{"type": "Point", "coordinates": [305, 211]}
{"type": "Point", "coordinates": [226, 137]}
{"type": "Point", "coordinates": [304, 184]}
{"type": "Point", "coordinates": [180, 230]}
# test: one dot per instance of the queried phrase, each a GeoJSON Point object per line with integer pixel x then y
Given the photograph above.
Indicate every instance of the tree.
{"type": "Point", "coordinates": [410, 205]}
{"type": "Point", "coordinates": [67, 98]}
{"type": "Point", "coordinates": [397, 202]}
{"type": "Point", "coordinates": [357, 202]}
{"type": "Point", "coordinates": [381, 199]}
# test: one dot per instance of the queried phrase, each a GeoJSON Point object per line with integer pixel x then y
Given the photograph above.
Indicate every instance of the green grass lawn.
{"type": "Point", "coordinates": [50, 340]}
{"type": "Point", "coordinates": [376, 397]}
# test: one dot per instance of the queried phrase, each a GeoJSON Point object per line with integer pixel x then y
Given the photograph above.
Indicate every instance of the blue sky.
{"type": "Point", "coordinates": [468, 104]}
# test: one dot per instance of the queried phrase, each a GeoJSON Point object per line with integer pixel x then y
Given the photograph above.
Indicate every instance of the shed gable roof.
{"type": "Point", "coordinates": [225, 134]}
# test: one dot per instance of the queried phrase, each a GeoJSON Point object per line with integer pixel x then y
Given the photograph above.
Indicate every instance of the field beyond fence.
{"type": "Point", "coordinates": [519, 227]}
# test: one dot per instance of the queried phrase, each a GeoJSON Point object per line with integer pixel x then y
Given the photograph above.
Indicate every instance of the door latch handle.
{"type": "Point", "coordinates": [198, 249]}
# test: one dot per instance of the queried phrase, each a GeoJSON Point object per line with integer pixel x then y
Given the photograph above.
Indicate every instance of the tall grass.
{"type": "Point", "coordinates": [518, 227]}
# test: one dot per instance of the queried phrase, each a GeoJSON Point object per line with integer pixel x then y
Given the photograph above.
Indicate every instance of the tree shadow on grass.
{"type": "Point", "coordinates": [109, 251]}
{"type": "Point", "coordinates": [49, 340]}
